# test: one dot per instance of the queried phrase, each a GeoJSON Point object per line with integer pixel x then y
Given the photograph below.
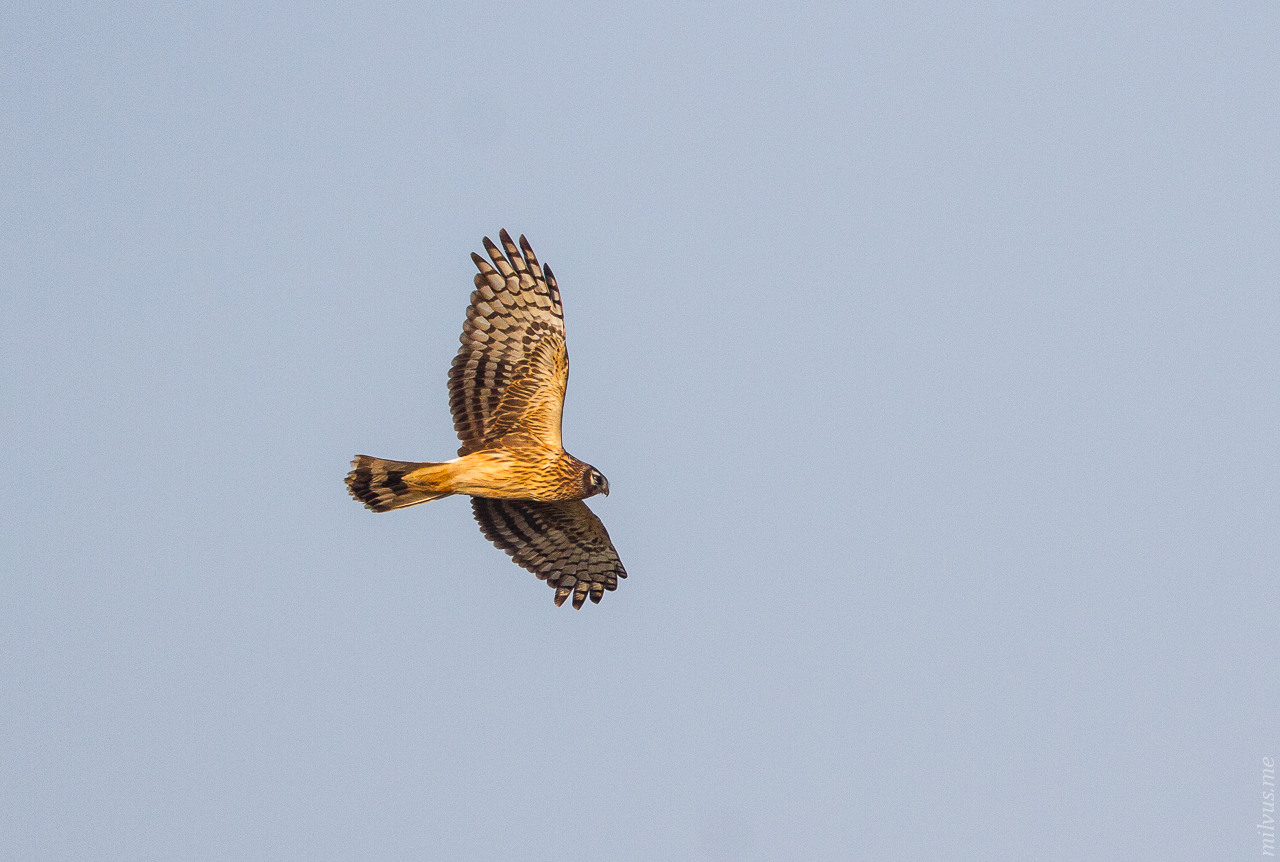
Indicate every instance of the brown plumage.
{"type": "Point", "coordinates": [506, 392]}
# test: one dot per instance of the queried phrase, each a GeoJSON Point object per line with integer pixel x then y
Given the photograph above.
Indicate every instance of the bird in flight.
{"type": "Point", "coordinates": [506, 393]}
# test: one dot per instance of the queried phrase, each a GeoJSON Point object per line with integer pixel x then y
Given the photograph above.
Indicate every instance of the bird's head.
{"type": "Point", "coordinates": [594, 482]}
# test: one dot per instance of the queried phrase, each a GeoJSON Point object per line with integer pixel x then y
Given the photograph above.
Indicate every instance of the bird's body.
{"type": "Point", "coordinates": [507, 387]}
{"type": "Point", "coordinates": [532, 473]}
{"type": "Point", "coordinates": [527, 473]}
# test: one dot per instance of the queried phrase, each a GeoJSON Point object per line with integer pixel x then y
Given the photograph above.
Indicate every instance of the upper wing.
{"type": "Point", "coordinates": [511, 371]}
{"type": "Point", "coordinates": [563, 544]}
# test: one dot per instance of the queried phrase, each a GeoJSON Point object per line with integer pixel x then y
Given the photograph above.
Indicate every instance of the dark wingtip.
{"type": "Point", "coordinates": [528, 252]}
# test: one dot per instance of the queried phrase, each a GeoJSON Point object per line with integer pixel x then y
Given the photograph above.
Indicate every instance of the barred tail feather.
{"type": "Point", "coordinates": [384, 485]}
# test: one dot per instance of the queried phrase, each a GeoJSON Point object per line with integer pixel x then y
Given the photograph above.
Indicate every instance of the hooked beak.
{"type": "Point", "coordinates": [606, 487]}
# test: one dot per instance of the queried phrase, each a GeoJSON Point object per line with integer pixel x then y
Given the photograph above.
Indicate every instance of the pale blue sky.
{"type": "Point", "coordinates": [930, 350]}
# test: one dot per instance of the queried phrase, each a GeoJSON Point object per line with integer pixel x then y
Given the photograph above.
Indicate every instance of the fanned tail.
{"type": "Point", "coordinates": [384, 485]}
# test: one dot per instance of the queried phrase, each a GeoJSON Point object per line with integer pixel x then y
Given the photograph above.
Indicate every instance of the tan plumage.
{"type": "Point", "coordinates": [506, 393]}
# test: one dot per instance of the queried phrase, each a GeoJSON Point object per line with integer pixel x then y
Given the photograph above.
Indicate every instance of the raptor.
{"type": "Point", "coordinates": [506, 393]}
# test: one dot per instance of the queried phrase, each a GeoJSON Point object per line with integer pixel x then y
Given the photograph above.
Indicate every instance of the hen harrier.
{"type": "Point", "coordinates": [506, 392]}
